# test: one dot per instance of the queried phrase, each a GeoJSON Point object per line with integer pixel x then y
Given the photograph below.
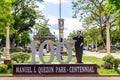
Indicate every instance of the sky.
{"type": "Point", "coordinates": [50, 9]}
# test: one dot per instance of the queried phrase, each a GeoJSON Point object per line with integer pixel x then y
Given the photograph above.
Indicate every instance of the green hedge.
{"type": "Point", "coordinates": [108, 58]}
{"type": "Point", "coordinates": [20, 57]}
{"type": "Point", "coordinates": [3, 68]}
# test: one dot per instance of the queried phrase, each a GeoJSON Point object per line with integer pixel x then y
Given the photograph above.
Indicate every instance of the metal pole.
{"type": "Point", "coordinates": [60, 9]}
{"type": "Point", "coordinates": [61, 28]}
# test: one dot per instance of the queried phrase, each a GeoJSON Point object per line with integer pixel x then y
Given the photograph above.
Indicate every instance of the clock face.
{"type": "Point", "coordinates": [61, 22]}
{"type": "Point", "coordinates": [61, 27]}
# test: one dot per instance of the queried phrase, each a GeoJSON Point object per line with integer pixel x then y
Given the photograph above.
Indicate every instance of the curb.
{"type": "Point", "coordinates": [61, 75]}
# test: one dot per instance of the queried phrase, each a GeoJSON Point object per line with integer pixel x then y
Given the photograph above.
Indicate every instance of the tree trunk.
{"type": "Point", "coordinates": [92, 44]}
{"type": "Point", "coordinates": [108, 36]}
{"type": "Point", "coordinates": [13, 41]}
{"type": "Point", "coordinates": [87, 46]}
{"type": "Point", "coordinates": [96, 46]}
{"type": "Point", "coordinates": [103, 35]}
{"type": "Point", "coordinates": [102, 32]}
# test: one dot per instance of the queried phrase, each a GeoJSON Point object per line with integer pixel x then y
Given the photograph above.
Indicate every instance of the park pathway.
{"type": "Point", "coordinates": [86, 53]}
{"type": "Point", "coordinates": [100, 55]}
{"type": "Point", "coordinates": [59, 78]}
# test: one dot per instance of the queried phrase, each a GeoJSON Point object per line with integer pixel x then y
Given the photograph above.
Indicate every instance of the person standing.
{"type": "Point", "coordinates": [79, 42]}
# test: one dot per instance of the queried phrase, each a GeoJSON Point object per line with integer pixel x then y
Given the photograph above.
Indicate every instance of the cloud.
{"type": "Point", "coordinates": [55, 1]}
{"type": "Point", "coordinates": [40, 6]}
{"type": "Point", "coordinates": [73, 24]}
{"type": "Point", "coordinates": [70, 24]}
{"type": "Point", "coordinates": [52, 20]}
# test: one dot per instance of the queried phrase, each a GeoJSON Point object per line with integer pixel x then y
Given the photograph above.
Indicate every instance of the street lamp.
{"type": "Point", "coordinates": [60, 24]}
{"type": "Point", "coordinates": [7, 60]}
{"type": "Point", "coordinates": [61, 29]}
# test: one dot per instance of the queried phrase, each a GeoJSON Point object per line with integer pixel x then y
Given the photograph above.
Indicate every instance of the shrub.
{"type": "Point", "coordinates": [0, 55]}
{"type": "Point", "coordinates": [3, 68]}
{"type": "Point", "coordinates": [116, 62]}
{"type": "Point", "coordinates": [108, 58]}
{"type": "Point", "coordinates": [20, 57]}
{"type": "Point", "coordinates": [108, 61]}
{"type": "Point", "coordinates": [107, 65]}
{"type": "Point", "coordinates": [10, 65]}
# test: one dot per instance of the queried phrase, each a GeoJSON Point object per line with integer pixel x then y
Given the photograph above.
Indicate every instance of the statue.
{"type": "Point", "coordinates": [79, 42]}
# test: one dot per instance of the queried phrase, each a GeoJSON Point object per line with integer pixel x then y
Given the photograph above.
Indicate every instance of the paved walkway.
{"type": "Point", "coordinates": [100, 55]}
{"type": "Point", "coordinates": [89, 53]}
{"type": "Point", "coordinates": [59, 78]}
{"type": "Point", "coordinates": [86, 53]}
{"type": "Point", "coordinates": [96, 54]}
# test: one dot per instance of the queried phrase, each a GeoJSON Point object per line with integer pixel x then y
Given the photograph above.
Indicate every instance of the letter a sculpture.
{"type": "Point", "coordinates": [79, 42]}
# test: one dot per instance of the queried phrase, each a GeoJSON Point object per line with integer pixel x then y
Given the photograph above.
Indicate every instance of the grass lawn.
{"type": "Point", "coordinates": [98, 61]}
{"type": "Point", "coordinates": [92, 59]}
{"type": "Point", "coordinates": [85, 59]}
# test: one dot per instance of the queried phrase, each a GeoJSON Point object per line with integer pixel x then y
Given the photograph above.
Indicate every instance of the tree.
{"type": "Point", "coordinates": [115, 33]}
{"type": "Point", "coordinates": [40, 22]}
{"type": "Point", "coordinates": [100, 13]}
{"type": "Point", "coordinates": [72, 34]}
{"type": "Point", "coordinates": [44, 30]}
{"type": "Point", "coordinates": [5, 16]}
{"type": "Point", "coordinates": [24, 39]}
{"type": "Point", "coordinates": [91, 35]}
{"type": "Point", "coordinates": [87, 38]}
{"type": "Point", "coordinates": [24, 15]}
{"type": "Point", "coordinates": [115, 37]}
{"type": "Point", "coordinates": [116, 3]}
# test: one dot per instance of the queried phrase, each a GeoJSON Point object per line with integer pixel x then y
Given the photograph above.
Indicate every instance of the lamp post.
{"type": "Point", "coordinates": [7, 60]}
{"type": "Point", "coordinates": [61, 29]}
{"type": "Point", "coordinates": [60, 24]}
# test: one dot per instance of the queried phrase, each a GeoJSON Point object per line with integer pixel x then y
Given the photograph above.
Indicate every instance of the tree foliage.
{"type": "Point", "coordinates": [24, 39]}
{"type": "Point", "coordinates": [25, 17]}
{"type": "Point", "coordinates": [20, 57]}
{"type": "Point", "coordinates": [91, 34]}
{"type": "Point", "coordinates": [43, 28]}
{"type": "Point", "coordinates": [98, 13]}
{"type": "Point", "coordinates": [5, 16]}
{"type": "Point", "coordinates": [116, 3]}
{"type": "Point", "coordinates": [72, 34]}
{"type": "Point", "coordinates": [5, 12]}
{"type": "Point", "coordinates": [115, 37]}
